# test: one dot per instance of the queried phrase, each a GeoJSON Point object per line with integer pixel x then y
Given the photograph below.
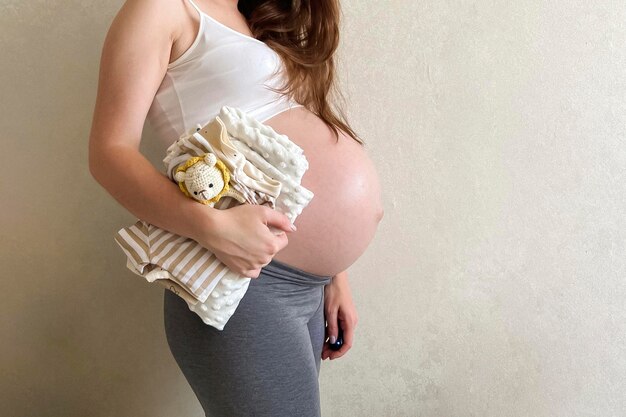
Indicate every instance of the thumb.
{"type": "Point", "coordinates": [278, 220]}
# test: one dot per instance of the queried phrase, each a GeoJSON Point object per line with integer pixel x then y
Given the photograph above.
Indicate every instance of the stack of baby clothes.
{"type": "Point", "coordinates": [265, 167]}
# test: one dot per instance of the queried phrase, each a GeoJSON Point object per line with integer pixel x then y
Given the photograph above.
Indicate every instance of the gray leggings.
{"type": "Point", "coordinates": [266, 361]}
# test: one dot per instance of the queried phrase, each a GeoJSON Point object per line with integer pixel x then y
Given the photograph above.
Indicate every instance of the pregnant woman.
{"type": "Point", "coordinates": [175, 63]}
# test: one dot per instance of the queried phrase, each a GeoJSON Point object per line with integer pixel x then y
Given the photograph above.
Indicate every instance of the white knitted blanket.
{"type": "Point", "coordinates": [273, 154]}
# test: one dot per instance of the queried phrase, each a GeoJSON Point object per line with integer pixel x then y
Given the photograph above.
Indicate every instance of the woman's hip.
{"type": "Point", "coordinates": [265, 358]}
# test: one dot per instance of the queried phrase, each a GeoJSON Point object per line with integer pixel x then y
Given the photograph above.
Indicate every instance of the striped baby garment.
{"type": "Point", "coordinates": [266, 168]}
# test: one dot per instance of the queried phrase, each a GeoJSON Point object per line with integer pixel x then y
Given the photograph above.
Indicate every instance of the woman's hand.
{"type": "Point", "coordinates": [240, 236]}
{"type": "Point", "coordinates": [340, 311]}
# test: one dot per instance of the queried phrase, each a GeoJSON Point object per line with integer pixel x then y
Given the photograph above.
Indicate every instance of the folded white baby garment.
{"type": "Point", "coordinates": [266, 168]}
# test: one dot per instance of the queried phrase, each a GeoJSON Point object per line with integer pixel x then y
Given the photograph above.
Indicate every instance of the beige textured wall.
{"type": "Point", "coordinates": [495, 286]}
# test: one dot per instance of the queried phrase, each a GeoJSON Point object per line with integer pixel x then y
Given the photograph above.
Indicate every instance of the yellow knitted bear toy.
{"type": "Point", "coordinates": [205, 179]}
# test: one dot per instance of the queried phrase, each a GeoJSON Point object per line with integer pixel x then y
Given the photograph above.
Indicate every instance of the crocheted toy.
{"type": "Point", "coordinates": [206, 179]}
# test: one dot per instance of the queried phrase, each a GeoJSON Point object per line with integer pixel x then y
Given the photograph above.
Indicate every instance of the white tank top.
{"type": "Point", "coordinates": [221, 67]}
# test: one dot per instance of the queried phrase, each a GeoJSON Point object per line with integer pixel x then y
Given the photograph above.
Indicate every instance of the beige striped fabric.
{"type": "Point", "coordinates": [181, 264]}
{"type": "Point", "coordinates": [176, 262]}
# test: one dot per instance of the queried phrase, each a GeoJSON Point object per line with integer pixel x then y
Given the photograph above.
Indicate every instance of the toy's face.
{"type": "Point", "coordinates": [203, 181]}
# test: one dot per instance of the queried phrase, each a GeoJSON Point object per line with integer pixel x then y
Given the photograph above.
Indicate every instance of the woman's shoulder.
{"type": "Point", "coordinates": [161, 19]}
{"type": "Point", "coordinates": [133, 63]}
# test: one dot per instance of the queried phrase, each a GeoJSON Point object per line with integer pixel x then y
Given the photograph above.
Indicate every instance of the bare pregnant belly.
{"type": "Point", "coordinates": [340, 221]}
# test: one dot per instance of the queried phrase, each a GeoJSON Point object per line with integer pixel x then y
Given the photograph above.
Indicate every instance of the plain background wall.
{"type": "Point", "coordinates": [496, 283]}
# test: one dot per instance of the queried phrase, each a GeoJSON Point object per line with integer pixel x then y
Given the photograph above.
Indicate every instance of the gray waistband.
{"type": "Point", "coordinates": [282, 270]}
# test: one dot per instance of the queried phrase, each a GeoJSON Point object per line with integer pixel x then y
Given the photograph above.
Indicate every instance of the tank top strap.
{"type": "Point", "coordinates": [196, 7]}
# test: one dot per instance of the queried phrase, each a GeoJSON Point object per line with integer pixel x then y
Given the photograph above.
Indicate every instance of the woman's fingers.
{"type": "Point", "coordinates": [278, 220]}
{"type": "Point", "coordinates": [281, 240]}
{"type": "Point", "coordinates": [332, 329]}
{"type": "Point", "coordinates": [348, 336]}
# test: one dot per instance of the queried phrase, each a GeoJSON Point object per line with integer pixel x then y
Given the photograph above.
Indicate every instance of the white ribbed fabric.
{"type": "Point", "coordinates": [266, 167]}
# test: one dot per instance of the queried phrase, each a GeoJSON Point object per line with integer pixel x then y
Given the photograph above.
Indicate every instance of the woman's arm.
{"type": "Point", "coordinates": [148, 194]}
{"type": "Point", "coordinates": [133, 63]}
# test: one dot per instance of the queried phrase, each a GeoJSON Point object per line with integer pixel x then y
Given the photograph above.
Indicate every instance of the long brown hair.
{"type": "Point", "coordinates": [305, 34]}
